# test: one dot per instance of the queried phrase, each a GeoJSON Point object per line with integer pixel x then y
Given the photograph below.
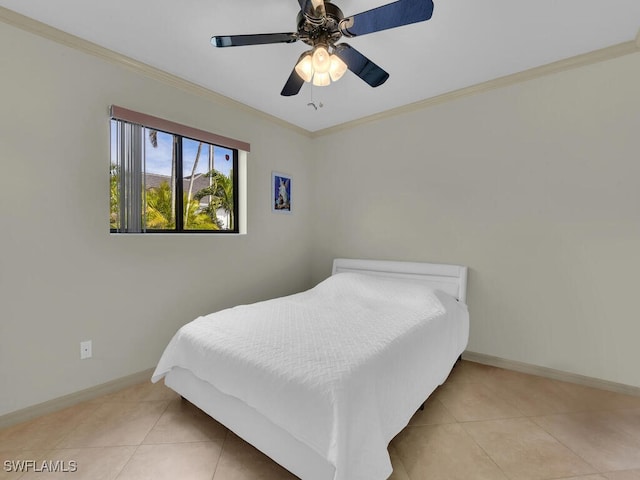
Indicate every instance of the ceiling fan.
{"type": "Point", "coordinates": [321, 25]}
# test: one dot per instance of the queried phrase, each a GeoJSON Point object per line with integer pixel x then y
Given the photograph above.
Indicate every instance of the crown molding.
{"type": "Point", "coordinates": [571, 63]}
{"type": "Point", "coordinates": [50, 33]}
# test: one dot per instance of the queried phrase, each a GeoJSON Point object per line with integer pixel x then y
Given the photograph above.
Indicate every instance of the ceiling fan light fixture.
{"type": "Point", "coordinates": [337, 68]}
{"type": "Point", "coordinates": [304, 68]}
{"type": "Point", "coordinates": [321, 79]}
{"type": "Point", "coordinates": [321, 59]}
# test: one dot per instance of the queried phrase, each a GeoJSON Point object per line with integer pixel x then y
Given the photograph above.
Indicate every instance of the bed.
{"type": "Point", "coordinates": [322, 380]}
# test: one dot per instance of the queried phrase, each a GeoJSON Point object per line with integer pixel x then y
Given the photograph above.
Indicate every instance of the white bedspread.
{"type": "Point", "coordinates": [341, 367]}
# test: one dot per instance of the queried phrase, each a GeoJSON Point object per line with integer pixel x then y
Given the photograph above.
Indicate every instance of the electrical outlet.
{"type": "Point", "coordinates": [85, 349]}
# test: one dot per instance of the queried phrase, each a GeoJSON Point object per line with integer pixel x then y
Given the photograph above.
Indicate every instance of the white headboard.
{"type": "Point", "coordinates": [451, 279]}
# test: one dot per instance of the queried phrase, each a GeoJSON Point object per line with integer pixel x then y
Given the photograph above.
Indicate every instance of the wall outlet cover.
{"type": "Point", "coordinates": [85, 349]}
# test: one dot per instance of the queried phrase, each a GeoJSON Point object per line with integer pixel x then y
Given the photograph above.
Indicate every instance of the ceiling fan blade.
{"type": "Point", "coordinates": [293, 85]}
{"type": "Point", "coordinates": [396, 14]}
{"type": "Point", "coordinates": [313, 8]}
{"type": "Point", "coordinates": [361, 65]}
{"type": "Point", "coordinates": [254, 39]}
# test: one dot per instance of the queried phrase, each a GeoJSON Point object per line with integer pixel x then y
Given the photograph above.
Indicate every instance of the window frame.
{"type": "Point", "coordinates": [179, 132]}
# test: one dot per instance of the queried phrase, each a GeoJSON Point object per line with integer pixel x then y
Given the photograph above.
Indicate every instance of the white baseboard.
{"type": "Point", "coordinates": [60, 403]}
{"type": "Point", "coordinates": [551, 373]}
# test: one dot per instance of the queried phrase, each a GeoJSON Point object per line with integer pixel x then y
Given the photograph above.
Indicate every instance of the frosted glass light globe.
{"type": "Point", "coordinates": [321, 79]}
{"type": "Point", "coordinates": [321, 60]}
{"type": "Point", "coordinates": [338, 68]}
{"type": "Point", "coordinates": [304, 68]}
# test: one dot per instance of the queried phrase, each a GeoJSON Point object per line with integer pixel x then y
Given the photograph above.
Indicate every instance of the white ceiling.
{"type": "Point", "coordinates": [466, 42]}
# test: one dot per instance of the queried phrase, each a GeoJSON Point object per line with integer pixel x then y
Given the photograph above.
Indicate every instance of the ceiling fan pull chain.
{"type": "Point", "coordinates": [312, 103]}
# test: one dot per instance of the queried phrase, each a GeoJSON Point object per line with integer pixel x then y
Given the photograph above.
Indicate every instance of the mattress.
{"type": "Point", "coordinates": [340, 368]}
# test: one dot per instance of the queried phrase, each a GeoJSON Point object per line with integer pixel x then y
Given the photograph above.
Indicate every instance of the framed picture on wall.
{"type": "Point", "coordinates": [280, 192]}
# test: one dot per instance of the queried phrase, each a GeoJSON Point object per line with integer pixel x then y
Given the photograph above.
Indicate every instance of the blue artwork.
{"type": "Point", "coordinates": [281, 191]}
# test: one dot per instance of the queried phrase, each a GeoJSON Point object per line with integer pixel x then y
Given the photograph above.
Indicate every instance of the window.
{"type": "Point", "coordinates": [168, 178]}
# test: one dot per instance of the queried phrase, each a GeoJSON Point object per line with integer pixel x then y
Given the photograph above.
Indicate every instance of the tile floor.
{"type": "Point", "coordinates": [483, 423]}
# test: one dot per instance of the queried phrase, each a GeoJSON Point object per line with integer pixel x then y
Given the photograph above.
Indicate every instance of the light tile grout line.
{"type": "Point", "coordinates": [576, 453]}
{"type": "Point", "coordinates": [461, 423]}
{"type": "Point", "coordinates": [141, 442]}
{"type": "Point", "coordinates": [485, 452]}
{"type": "Point", "coordinates": [117, 475]}
{"type": "Point", "coordinates": [224, 442]}
{"type": "Point", "coordinates": [531, 417]}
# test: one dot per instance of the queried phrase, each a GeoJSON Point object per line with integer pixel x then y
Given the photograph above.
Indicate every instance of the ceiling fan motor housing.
{"type": "Point", "coordinates": [314, 31]}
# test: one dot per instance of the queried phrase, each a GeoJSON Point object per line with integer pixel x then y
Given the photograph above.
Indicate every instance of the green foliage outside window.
{"type": "Point", "coordinates": [159, 208]}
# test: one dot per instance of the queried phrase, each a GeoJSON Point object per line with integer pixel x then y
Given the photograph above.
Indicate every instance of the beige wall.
{"type": "Point", "coordinates": [64, 278]}
{"type": "Point", "coordinates": [536, 187]}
